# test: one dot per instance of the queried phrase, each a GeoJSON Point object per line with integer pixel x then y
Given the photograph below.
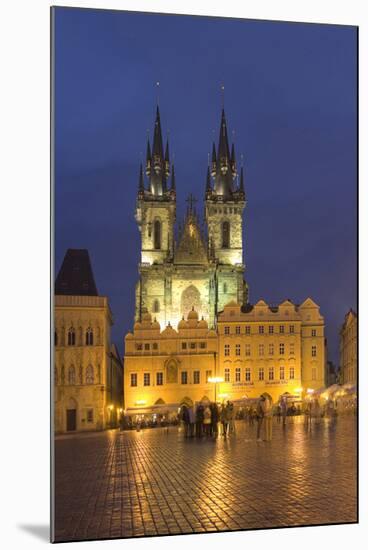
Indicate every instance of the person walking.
{"type": "Point", "coordinates": [191, 421]}
{"type": "Point", "coordinates": [267, 415]}
{"type": "Point", "coordinates": [214, 419]}
{"type": "Point", "coordinates": [185, 418]}
{"type": "Point", "coordinates": [223, 416]}
{"type": "Point", "coordinates": [283, 410]}
{"type": "Point", "coordinates": [199, 420]}
{"type": "Point", "coordinates": [260, 416]}
{"type": "Point", "coordinates": [207, 421]}
{"type": "Point", "coordinates": [231, 417]}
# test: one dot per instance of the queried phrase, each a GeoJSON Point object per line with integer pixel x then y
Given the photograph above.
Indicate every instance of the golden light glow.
{"type": "Point", "coordinates": [309, 390]}
{"type": "Point", "coordinates": [141, 402]}
{"type": "Point", "coordinates": [215, 379]}
{"type": "Point", "coordinates": [110, 407]}
{"type": "Point", "coordinates": [298, 390]}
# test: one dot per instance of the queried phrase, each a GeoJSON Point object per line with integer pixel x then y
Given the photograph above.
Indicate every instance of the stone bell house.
{"type": "Point", "coordinates": [193, 320]}
{"type": "Point", "coordinates": [88, 390]}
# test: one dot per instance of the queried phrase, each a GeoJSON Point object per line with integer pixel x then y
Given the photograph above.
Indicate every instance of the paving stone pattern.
{"type": "Point", "coordinates": [156, 482]}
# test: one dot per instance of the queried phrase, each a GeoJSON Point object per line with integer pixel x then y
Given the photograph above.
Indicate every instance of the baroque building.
{"type": "Point", "coordinates": [193, 319]}
{"type": "Point", "coordinates": [348, 349]}
{"type": "Point", "coordinates": [88, 377]}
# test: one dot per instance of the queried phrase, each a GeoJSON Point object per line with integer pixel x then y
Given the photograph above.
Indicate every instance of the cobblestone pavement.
{"type": "Point", "coordinates": [131, 484]}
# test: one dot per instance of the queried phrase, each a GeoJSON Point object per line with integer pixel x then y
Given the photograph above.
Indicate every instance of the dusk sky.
{"type": "Point", "coordinates": [290, 98]}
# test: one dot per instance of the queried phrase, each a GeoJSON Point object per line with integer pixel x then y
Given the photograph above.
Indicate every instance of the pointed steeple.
{"type": "Point", "coordinates": [223, 149]}
{"type": "Point", "coordinates": [173, 182]}
{"type": "Point", "coordinates": [157, 149]}
{"type": "Point", "coordinates": [224, 174]}
{"type": "Point", "coordinates": [208, 182]}
{"type": "Point", "coordinates": [148, 158]}
{"type": "Point", "coordinates": [167, 160]}
{"type": "Point", "coordinates": [233, 161]}
{"type": "Point", "coordinates": [141, 181]}
{"type": "Point", "coordinates": [214, 161]}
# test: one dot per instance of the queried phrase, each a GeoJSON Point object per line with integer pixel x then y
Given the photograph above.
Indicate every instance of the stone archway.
{"type": "Point", "coordinates": [190, 298]}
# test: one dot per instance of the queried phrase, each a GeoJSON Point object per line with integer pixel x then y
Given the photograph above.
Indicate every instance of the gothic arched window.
{"type": "Point", "coordinates": [226, 235]}
{"type": "Point", "coordinates": [71, 337]}
{"type": "Point", "coordinates": [55, 338]}
{"type": "Point", "coordinates": [71, 375]}
{"type": "Point", "coordinates": [156, 306]}
{"type": "Point", "coordinates": [89, 375]}
{"type": "Point", "coordinates": [157, 234]}
{"type": "Point", "coordinates": [89, 337]}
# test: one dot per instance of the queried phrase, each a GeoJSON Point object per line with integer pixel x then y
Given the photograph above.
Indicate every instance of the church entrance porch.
{"type": "Point", "coordinates": [71, 420]}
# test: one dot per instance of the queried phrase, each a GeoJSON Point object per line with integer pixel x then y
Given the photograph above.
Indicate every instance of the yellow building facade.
{"type": "Point", "coordinates": [88, 375]}
{"type": "Point", "coordinates": [348, 349]}
{"type": "Point", "coordinates": [254, 350]}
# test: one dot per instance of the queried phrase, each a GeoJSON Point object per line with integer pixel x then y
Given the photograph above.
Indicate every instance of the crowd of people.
{"type": "Point", "coordinates": [208, 419]}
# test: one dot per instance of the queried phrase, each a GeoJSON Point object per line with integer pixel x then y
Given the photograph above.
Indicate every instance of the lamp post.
{"type": "Point", "coordinates": [215, 380]}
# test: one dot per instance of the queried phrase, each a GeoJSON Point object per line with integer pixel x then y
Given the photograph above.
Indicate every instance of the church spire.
{"type": "Point", "coordinates": [167, 160]}
{"type": "Point", "coordinates": [148, 158]}
{"type": "Point", "coordinates": [141, 181]}
{"type": "Point", "coordinates": [173, 182]}
{"type": "Point", "coordinates": [157, 165]}
{"type": "Point", "coordinates": [208, 182]}
{"type": "Point", "coordinates": [224, 173]}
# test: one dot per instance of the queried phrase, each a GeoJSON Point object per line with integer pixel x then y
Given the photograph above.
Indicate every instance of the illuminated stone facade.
{"type": "Point", "coordinates": [192, 316]}
{"type": "Point", "coordinates": [348, 349]}
{"type": "Point", "coordinates": [189, 267]}
{"type": "Point", "coordinates": [88, 378]}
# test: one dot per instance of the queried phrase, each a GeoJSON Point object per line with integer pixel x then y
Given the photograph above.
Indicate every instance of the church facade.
{"type": "Point", "coordinates": [193, 320]}
{"type": "Point", "coordinates": [200, 270]}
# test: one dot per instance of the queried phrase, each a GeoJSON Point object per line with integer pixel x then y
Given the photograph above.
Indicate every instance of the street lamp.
{"type": "Point", "coordinates": [215, 380]}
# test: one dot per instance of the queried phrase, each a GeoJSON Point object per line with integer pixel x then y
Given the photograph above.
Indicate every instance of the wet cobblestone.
{"type": "Point", "coordinates": [156, 482]}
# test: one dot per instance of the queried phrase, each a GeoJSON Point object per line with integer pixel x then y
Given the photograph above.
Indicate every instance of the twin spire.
{"type": "Point", "coordinates": [158, 169]}
{"type": "Point", "coordinates": [222, 175]}
{"type": "Point", "coordinates": [223, 170]}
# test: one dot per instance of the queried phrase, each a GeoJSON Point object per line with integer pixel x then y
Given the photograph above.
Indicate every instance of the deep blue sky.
{"type": "Point", "coordinates": [290, 97]}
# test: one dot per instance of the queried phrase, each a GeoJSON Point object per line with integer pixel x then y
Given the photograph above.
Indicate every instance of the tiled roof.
{"type": "Point", "coordinates": [75, 277]}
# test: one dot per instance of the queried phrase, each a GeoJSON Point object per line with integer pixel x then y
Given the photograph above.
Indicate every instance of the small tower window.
{"type": "Point", "coordinates": [71, 375]}
{"type": "Point", "coordinates": [55, 338]}
{"type": "Point", "coordinates": [156, 306]}
{"type": "Point", "coordinates": [71, 337]}
{"type": "Point", "coordinates": [89, 375]}
{"type": "Point", "coordinates": [225, 288]}
{"type": "Point", "coordinates": [226, 235]}
{"type": "Point", "coordinates": [157, 235]}
{"type": "Point", "coordinates": [89, 337]}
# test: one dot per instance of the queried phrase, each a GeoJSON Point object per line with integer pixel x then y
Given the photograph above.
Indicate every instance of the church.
{"type": "Point", "coordinates": [193, 321]}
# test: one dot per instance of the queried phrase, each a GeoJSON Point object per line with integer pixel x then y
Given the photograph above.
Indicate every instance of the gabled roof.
{"type": "Point", "coordinates": [191, 248]}
{"type": "Point", "coordinates": [75, 277]}
{"type": "Point", "coordinates": [308, 303]}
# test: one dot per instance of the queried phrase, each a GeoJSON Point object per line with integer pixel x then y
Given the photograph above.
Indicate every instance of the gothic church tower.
{"type": "Point", "coordinates": [224, 205]}
{"type": "Point", "coordinates": [155, 215]}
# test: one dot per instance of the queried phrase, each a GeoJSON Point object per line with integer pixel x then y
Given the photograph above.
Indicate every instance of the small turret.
{"type": "Point", "coordinates": [208, 183]}
{"type": "Point", "coordinates": [233, 161]}
{"type": "Point", "coordinates": [167, 160]}
{"type": "Point", "coordinates": [148, 158]}
{"type": "Point", "coordinates": [214, 161]}
{"type": "Point", "coordinates": [141, 181]}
